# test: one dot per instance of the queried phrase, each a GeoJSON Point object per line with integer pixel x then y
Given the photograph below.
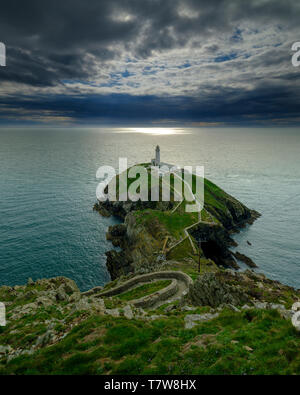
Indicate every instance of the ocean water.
{"type": "Point", "coordinates": [48, 188]}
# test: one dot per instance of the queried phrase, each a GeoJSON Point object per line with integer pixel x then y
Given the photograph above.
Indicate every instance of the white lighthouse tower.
{"type": "Point", "coordinates": [156, 161]}
{"type": "Point", "coordinates": [157, 155]}
{"type": "Point", "coordinates": [162, 165]}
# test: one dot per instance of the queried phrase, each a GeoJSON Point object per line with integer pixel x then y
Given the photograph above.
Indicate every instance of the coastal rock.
{"type": "Point", "coordinates": [113, 312]}
{"type": "Point", "coordinates": [296, 322]}
{"type": "Point", "coordinates": [169, 308]}
{"type": "Point", "coordinates": [211, 290]}
{"type": "Point", "coordinates": [191, 320]}
{"type": "Point", "coordinates": [287, 314]}
{"type": "Point", "coordinates": [44, 339]}
{"type": "Point", "coordinates": [21, 311]}
{"type": "Point", "coordinates": [28, 295]}
{"type": "Point", "coordinates": [116, 231]}
{"type": "Point", "coordinates": [5, 349]}
{"type": "Point", "coordinates": [246, 307]}
{"type": "Point", "coordinates": [90, 305]}
{"type": "Point", "coordinates": [140, 313]}
{"type": "Point", "coordinates": [30, 281]}
{"type": "Point", "coordinates": [274, 306]}
{"type": "Point", "coordinates": [254, 275]}
{"type": "Point", "coordinates": [188, 308]}
{"type": "Point", "coordinates": [260, 305]}
{"type": "Point", "coordinates": [61, 294]}
{"type": "Point", "coordinates": [217, 245]}
{"type": "Point", "coordinates": [154, 317]}
{"type": "Point", "coordinates": [70, 287]}
{"type": "Point", "coordinates": [139, 248]}
{"type": "Point", "coordinates": [243, 258]}
{"type": "Point", "coordinates": [119, 263]}
{"type": "Point", "coordinates": [128, 312]}
{"type": "Point", "coordinates": [45, 301]}
{"type": "Point", "coordinates": [75, 297]}
{"type": "Point", "coordinates": [232, 307]}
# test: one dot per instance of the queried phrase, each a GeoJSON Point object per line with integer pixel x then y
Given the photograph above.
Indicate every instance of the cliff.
{"type": "Point", "coordinates": [154, 233]}
{"type": "Point", "coordinates": [228, 323]}
{"type": "Point", "coordinates": [159, 315]}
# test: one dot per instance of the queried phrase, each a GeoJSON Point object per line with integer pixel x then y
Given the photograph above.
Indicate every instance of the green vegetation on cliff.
{"type": "Point", "coordinates": [218, 322]}
{"type": "Point", "coordinates": [250, 342]}
{"type": "Point", "coordinates": [174, 223]}
{"type": "Point", "coordinates": [165, 227]}
{"type": "Point", "coordinates": [53, 329]}
{"type": "Point", "coordinates": [144, 290]}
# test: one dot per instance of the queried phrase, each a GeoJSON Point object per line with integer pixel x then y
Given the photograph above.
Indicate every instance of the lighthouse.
{"type": "Point", "coordinates": [156, 161]}
{"type": "Point", "coordinates": [157, 155]}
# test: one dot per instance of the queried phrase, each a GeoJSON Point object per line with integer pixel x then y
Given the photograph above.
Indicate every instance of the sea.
{"type": "Point", "coordinates": [48, 188]}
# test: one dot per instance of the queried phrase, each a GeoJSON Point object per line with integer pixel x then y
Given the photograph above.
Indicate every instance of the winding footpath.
{"type": "Point", "coordinates": [180, 283]}
{"type": "Point", "coordinates": [200, 221]}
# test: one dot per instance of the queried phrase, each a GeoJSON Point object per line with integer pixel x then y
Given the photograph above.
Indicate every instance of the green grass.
{"type": "Point", "coordinates": [182, 251]}
{"type": "Point", "coordinates": [174, 223]}
{"type": "Point", "coordinates": [143, 290]}
{"type": "Point", "coordinates": [215, 199]}
{"type": "Point", "coordinates": [214, 195]}
{"type": "Point", "coordinates": [163, 346]}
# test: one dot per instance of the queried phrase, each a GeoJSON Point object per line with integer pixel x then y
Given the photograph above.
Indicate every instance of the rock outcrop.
{"type": "Point", "coordinates": [249, 288]}
{"type": "Point", "coordinates": [211, 290]}
{"type": "Point", "coordinates": [243, 258]}
{"type": "Point", "coordinates": [140, 247]}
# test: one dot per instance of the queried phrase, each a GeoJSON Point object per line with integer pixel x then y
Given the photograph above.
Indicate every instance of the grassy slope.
{"type": "Point", "coordinates": [213, 195]}
{"type": "Point", "coordinates": [174, 223]}
{"type": "Point", "coordinates": [246, 342]}
{"type": "Point", "coordinates": [102, 345]}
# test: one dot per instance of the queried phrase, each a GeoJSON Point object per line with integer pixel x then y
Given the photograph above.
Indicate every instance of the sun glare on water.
{"type": "Point", "coordinates": [155, 131]}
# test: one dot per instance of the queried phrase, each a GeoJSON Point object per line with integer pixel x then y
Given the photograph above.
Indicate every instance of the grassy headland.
{"type": "Point", "coordinates": [227, 322]}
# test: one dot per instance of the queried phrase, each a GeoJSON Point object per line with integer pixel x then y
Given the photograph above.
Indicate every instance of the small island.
{"type": "Point", "coordinates": [161, 234]}
{"type": "Point", "coordinates": [176, 303]}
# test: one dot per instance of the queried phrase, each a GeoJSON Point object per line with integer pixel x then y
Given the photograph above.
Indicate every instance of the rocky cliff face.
{"type": "Point", "coordinates": [139, 247]}
{"type": "Point", "coordinates": [211, 290]}
{"type": "Point", "coordinates": [217, 244]}
{"type": "Point", "coordinates": [237, 289]}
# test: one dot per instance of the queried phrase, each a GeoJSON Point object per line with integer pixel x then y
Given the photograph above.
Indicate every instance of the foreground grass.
{"type": "Point", "coordinates": [251, 342]}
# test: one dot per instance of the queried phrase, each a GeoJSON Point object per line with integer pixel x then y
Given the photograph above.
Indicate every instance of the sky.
{"type": "Point", "coordinates": [150, 62]}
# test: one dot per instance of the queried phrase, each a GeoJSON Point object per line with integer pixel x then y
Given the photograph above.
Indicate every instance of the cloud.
{"type": "Point", "coordinates": [132, 58]}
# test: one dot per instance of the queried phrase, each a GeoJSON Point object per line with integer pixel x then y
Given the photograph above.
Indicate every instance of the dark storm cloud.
{"type": "Point", "coordinates": [51, 45]}
{"type": "Point", "coordinates": [57, 34]}
{"type": "Point", "coordinates": [264, 103]}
